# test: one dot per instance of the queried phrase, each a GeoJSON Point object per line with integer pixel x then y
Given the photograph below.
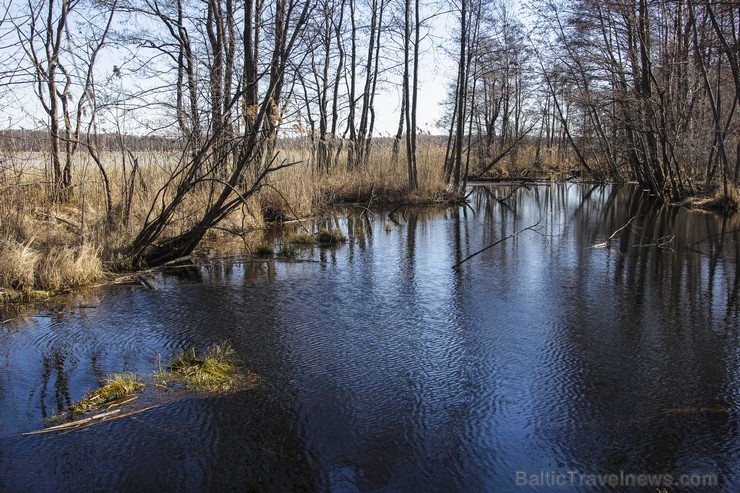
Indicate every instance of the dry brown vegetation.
{"type": "Point", "coordinates": [47, 246]}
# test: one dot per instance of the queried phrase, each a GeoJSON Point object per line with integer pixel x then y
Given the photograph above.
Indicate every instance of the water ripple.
{"type": "Point", "coordinates": [384, 369]}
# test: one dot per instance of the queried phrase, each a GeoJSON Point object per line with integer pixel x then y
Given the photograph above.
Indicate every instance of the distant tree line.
{"type": "Point", "coordinates": [38, 141]}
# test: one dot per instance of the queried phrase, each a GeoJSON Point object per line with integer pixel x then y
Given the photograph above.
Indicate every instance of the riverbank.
{"type": "Point", "coordinates": [47, 248]}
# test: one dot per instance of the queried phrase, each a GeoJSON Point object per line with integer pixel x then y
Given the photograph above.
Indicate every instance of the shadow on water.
{"type": "Point", "coordinates": [602, 340]}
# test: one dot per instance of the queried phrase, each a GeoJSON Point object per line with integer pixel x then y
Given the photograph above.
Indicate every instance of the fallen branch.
{"type": "Point", "coordinates": [496, 243]}
{"type": "Point", "coordinates": [502, 155]}
{"type": "Point", "coordinates": [79, 422]}
{"type": "Point", "coordinates": [511, 193]}
{"type": "Point", "coordinates": [185, 262]}
{"type": "Point", "coordinates": [609, 240]}
{"type": "Point", "coordinates": [119, 416]}
{"type": "Point", "coordinates": [74, 424]}
{"type": "Point", "coordinates": [91, 421]}
{"type": "Point", "coordinates": [287, 204]}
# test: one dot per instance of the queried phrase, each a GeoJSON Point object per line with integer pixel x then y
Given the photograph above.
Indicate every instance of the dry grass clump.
{"type": "Point", "coordinates": [25, 269]}
{"type": "Point", "coordinates": [63, 268]}
{"type": "Point", "coordinates": [732, 200]}
{"type": "Point", "coordinates": [719, 201]}
{"type": "Point", "coordinates": [734, 196]}
{"type": "Point", "coordinates": [18, 266]}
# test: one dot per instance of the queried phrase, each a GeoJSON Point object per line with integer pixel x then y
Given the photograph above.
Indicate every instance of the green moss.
{"type": "Point", "coordinates": [330, 237]}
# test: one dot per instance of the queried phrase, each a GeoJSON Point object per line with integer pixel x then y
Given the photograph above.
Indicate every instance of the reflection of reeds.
{"type": "Point", "coordinates": [287, 252]}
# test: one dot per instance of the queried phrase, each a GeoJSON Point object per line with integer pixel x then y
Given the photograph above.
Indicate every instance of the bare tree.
{"type": "Point", "coordinates": [231, 166]}
{"type": "Point", "coordinates": [410, 85]}
{"type": "Point", "coordinates": [459, 137]}
{"type": "Point", "coordinates": [63, 68]}
{"type": "Point", "coordinates": [646, 81]}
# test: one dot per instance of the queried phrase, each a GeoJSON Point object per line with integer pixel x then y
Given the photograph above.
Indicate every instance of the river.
{"type": "Point", "coordinates": [558, 359]}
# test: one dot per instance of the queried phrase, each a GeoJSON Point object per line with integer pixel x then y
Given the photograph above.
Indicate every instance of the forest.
{"type": "Point", "coordinates": [138, 128]}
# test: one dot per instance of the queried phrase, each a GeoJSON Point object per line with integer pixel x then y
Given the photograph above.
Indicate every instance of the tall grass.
{"type": "Point", "coordinates": [25, 269]}
{"type": "Point", "coordinates": [64, 267]}
{"type": "Point", "coordinates": [18, 263]}
{"type": "Point", "coordinates": [301, 190]}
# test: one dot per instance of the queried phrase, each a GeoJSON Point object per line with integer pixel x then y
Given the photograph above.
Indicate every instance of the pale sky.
{"type": "Point", "coordinates": [20, 108]}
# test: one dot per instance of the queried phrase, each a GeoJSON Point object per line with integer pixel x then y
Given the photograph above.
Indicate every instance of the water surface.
{"type": "Point", "coordinates": [385, 369]}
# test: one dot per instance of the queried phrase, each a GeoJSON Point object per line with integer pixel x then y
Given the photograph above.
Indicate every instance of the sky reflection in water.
{"type": "Point", "coordinates": [386, 369]}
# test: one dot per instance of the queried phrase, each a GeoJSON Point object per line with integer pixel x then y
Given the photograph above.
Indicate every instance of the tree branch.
{"type": "Point", "coordinates": [496, 243]}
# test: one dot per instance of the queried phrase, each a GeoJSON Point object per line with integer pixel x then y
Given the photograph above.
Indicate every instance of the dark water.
{"type": "Point", "coordinates": [541, 360]}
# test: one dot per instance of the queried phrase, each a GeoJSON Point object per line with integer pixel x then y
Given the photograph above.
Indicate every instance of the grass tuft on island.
{"type": "Point", "coordinates": [302, 239]}
{"type": "Point", "coordinates": [263, 250]}
{"type": "Point", "coordinates": [118, 387]}
{"type": "Point", "coordinates": [216, 370]}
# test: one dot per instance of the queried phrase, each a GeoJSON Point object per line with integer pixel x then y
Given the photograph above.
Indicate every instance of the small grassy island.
{"type": "Point", "coordinates": [215, 370]}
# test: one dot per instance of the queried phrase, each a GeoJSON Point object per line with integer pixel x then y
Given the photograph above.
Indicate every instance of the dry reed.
{"type": "Point", "coordinates": [18, 266]}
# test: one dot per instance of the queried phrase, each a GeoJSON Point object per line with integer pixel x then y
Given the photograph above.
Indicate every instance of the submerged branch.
{"type": "Point", "coordinates": [609, 240]}
{"type": "Point", "coordinates": [496, 243]}
{"type": "Point", "coordinates": [91, 421]}
{"type": "Point", "coordinates": [690, 245]}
